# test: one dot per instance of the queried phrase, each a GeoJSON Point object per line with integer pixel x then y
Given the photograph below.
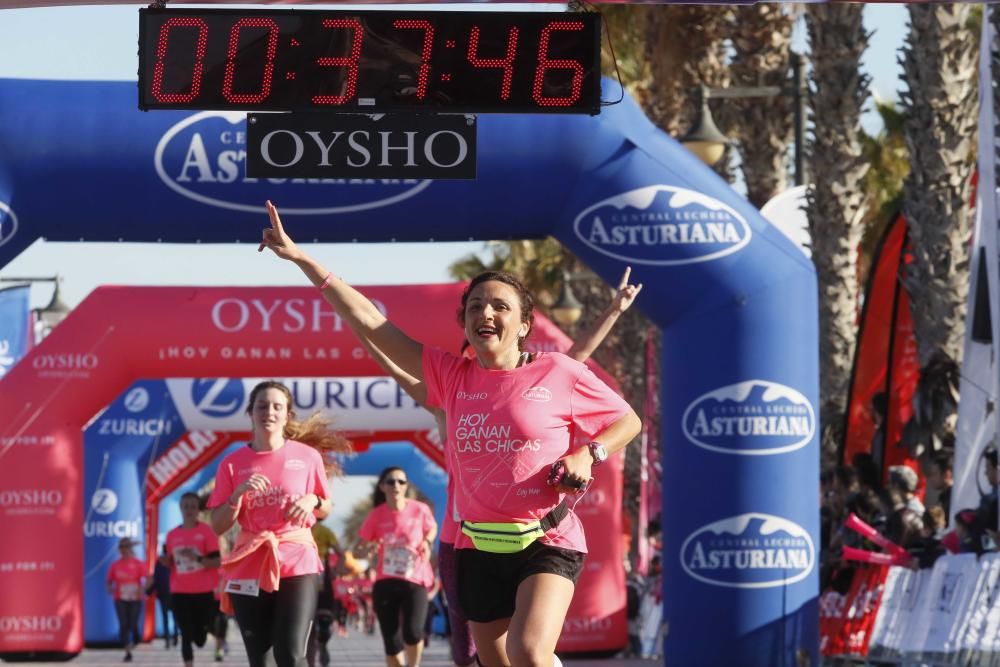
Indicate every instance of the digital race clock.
{"type": "Point", "coordinates": [294, 60]}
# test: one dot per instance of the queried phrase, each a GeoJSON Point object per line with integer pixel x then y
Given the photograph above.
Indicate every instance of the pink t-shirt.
{"type": "Point", "coordinates": [185, 545]}
{"type": "Point", "coordinates": [507, 428]}
{"type": "Point", "coordinates": [126, 575]}
{"type": "Point", "coordinates": [293, 470]}
{"type": "Point", "coordinates": [399, 536]}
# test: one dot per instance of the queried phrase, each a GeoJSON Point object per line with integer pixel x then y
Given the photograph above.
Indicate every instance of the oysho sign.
{"type": "Point", "coordinates": [30, 502]}
{"type": "Point", "coordinates": [750, 550]}
{"type": "Point", "coordinates": [662, 225]}
{"type": "Point", "coordinates": [67, 365]}
{"type": "Point", "coordinates": [203, 158]}
{"type": "Point", "coordinates": [755, 417]}
{"type": "Point", "coordinates": [29, 627]}
{"type": "Point", "coordinates": [361, 146]}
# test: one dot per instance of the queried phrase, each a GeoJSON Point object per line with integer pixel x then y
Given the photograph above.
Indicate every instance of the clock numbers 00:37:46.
{"type": "Point", "coordinates": [569, 71]}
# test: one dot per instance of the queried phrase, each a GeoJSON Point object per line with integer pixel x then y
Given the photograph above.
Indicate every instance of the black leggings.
{"type": "Point", "coordinates": [401, 608]}
{"type": "Point", "coordinates": [128, 621]}
{"type": "Point", "coordinates": [194, 614]}
{"type": "Point", "coordinates": [280, 620]}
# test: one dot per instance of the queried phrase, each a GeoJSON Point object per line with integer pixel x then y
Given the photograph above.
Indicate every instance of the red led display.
{"type": "Point", "coordinates": [349, 84]}
{"type": "Point", "coordinates": [297, 60]}
{"type": "Point", "coordinates": [506, 63]}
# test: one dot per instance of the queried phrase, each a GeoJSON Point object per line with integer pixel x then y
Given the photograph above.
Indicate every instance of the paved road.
{"type": "Point", "coordinates": [353, 651]}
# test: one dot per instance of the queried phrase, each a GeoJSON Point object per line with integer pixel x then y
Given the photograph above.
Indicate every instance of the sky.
{"type": "Point", "coordinates": [99, 42]}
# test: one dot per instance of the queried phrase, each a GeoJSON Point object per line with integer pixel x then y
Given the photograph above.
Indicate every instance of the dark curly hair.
{"type": "Point", "coordinates": [525, 298]}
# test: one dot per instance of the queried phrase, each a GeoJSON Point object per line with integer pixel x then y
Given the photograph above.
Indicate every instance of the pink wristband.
{"type": "Point", "coordinates": [326, 281]}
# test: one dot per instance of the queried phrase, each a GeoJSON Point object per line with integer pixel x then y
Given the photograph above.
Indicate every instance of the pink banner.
{"type": "Point", "coordinates": [164, 332]}
{"type": "Point", "coordinates": [596, 619]}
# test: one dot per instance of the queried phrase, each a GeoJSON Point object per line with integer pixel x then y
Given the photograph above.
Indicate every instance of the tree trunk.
{"type": "Point", "coordinates": [836, 200]}
{"type": "Point", "coordinates": [940, 107]}
{"type": "Point", "coordinates": [761, 38]}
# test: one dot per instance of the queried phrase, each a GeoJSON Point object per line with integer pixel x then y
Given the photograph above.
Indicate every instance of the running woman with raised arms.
{"type": "Point", "coordinates": [511, 417]}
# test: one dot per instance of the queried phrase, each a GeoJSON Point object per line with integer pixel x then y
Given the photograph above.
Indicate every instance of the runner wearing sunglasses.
{"type": "Point", "coordinates": [403, 529]}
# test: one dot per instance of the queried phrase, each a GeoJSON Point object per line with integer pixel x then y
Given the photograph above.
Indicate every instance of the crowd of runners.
{"type": "Point", "coordinates": [510, 548]}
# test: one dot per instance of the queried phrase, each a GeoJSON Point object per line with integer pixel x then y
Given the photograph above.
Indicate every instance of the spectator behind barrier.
{"type": "Point", "coordinates": [904, 480]}
{"type": "Point", "coordinates": [939, 480]}
{"type": "Point", "coordinates": [869, 475]}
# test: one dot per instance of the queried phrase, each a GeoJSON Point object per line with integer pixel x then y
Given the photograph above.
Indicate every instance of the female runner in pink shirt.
{"type": "Point", "coordinates": [463, 648]}
{"type": "Point", "coordinates": [126, 579]}
{"type": "Point", "coordinates": [403, 529]}
{"type": "Point", "coordinates": [511, 416]}
{"type": "Point", "coordinates": [275, 487]}
{"type": "Point", "coordinates": [192, 554]}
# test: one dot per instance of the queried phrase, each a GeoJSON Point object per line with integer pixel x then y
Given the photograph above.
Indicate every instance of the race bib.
{"type": "Point", "coordinates": [398, 561]}
{"type": "Point", "coordinates": [249, 587]}
{"type": "Point", "coordinates": [128, 591]}
{"type": "Point", "coordinates": [186, 560]}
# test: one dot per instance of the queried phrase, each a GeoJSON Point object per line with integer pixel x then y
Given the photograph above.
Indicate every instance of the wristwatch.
{"type": "Point", "coordinates": [598, 452]}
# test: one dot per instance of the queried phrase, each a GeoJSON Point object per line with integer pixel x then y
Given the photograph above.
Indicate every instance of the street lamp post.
{"type": "Point", "coordinates": [567, 309]}
{"type": "Point", "coordinates": [704, 138]}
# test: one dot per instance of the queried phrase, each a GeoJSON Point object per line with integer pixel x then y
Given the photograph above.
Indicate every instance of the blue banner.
{"type": "Point", "coordinates": [15, 326]}
{"type": "Point", "coordinates": [734, 298]}
{"type": "Point", "coordinates": [118, 447]}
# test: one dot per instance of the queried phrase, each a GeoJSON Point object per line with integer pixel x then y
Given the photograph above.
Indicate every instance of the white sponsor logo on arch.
{"type": "Point", "coordinates": [203, 159]}
{"type": "Point", "coordinates": [754, 417]}
{"type": "Point", "coordinates": [8, 223]}
{"type": "Point", "coordinates": [751, 550]}
{"type": "Point", "coordinates": [662, 225]}
{"type": "Point", "coordinates": [136, 400]}
{"type": "Point", "coordinates": [104, 501]}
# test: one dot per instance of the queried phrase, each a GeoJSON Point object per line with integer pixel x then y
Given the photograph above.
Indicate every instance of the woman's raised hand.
{"type": "Point", "coordinates": [276, 239]}
{"type": "Point", "coordinates": [626, 293]}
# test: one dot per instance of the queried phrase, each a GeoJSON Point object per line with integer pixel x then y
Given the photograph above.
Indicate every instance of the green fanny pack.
{"type": "Point", "coordinates": [511, 538]}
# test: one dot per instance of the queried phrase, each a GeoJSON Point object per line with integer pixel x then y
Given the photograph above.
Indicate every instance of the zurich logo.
{"type": "Point", "coordinates": [755, 417]}
{"type": "Point", "coordinates": [104, 501]}
{"type": "Point", "coordinates": [662, 225]}
{"type": "Point", "coordinates": [217, 397]}
{"type": "Point", "coordinates": [750, 550]}
{"type": "Point", "coordinates": [203, 158]}
{"type": "Point", "coordinates": [8, 223]}
{"type": "Point", "coordinates": [136, 400]}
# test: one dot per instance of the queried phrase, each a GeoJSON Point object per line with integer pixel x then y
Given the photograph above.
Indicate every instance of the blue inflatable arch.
{"type": "Point", "coordinates": [736, 302]}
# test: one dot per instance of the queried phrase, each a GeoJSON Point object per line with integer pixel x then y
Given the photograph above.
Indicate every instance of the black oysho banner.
{"type": "Point", "coordinates": [422, 146]}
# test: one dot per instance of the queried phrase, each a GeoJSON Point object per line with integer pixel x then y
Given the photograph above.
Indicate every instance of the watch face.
{"type": "Point", "coordinates": [598, 451]}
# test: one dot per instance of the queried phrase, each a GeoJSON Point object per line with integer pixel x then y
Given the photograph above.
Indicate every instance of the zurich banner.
{"type": "Point", "coordinates": [15, 326]}
{"type": "Point", "coordinates": [734, 298]}
{"type": "Point", "coordinates": [118, 447]}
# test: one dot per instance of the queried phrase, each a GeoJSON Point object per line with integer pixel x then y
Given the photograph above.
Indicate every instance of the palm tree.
{"type": "Point", "coordinates": [888, 166]}
{"type": "Point", "coordinates": [684, 48]}
{"type": "Point", "coordinates": [538, 263]}
{"type": "Point", "coordinates": [761, 38]}
{"type": "Point", "coordinates": [940, 105]}
{"type": "Point", "coordinates": [836, 202]}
